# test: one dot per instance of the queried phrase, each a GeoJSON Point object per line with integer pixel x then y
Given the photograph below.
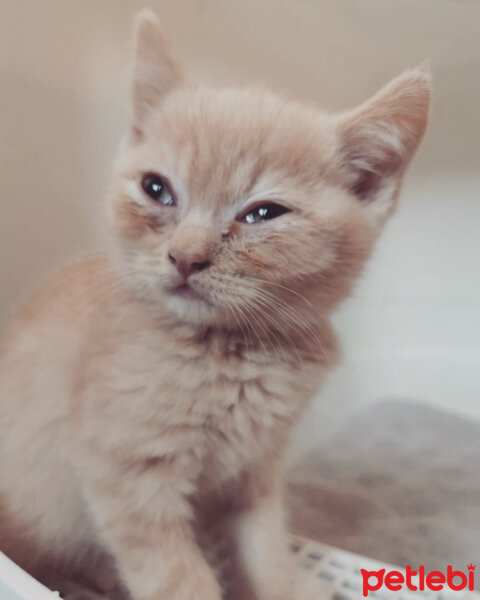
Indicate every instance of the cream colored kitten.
{"type": "Point", "coordinates": [147, 398]}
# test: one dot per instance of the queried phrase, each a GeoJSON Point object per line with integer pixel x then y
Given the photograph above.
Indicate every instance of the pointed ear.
{"type": "Point", "coordinates": [378, 140]}
{"type": "Point", "coordinates": [155, 70]}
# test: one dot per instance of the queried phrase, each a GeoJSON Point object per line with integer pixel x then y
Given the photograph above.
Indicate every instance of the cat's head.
{"type": "Point", "coordinates": [239, 207]}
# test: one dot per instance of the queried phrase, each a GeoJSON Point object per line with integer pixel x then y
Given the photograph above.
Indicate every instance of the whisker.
{"type": "Point", "coordinates": [275, 330]}
{"type": "Point", "coordinates": [239, 325]}
{"type": "Point", "coordinates": [293, 318]}
{"type": "Point", "coordinates": [289, 290]}
{"type": "Point", "coordinates": [247, 316]}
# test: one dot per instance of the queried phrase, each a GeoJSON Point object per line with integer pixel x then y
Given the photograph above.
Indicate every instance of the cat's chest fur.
{"type": "Point", "coordinates": [208, 405]}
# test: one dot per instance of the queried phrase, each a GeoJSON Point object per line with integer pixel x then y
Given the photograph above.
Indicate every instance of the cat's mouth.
{"type": "Point", "coordinates": [185, 290]}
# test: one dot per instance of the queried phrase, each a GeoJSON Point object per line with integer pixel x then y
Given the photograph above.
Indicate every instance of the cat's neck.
{"type": "Point", "coordinates": [318, 344]}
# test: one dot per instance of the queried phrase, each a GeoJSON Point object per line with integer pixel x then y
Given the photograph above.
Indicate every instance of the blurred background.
{"type": "Point", "coordinates": [390, 448]}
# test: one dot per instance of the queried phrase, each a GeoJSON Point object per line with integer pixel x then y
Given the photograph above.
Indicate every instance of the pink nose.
{"type": "Point", "coordinates": [188, 263]}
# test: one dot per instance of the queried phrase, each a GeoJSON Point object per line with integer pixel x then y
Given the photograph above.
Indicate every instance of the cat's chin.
{"type": "Point", "coordinates": [188, 306]}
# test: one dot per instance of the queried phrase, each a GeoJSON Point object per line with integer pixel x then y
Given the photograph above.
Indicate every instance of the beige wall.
{"type": "Point", "coordinates": [64, 105]}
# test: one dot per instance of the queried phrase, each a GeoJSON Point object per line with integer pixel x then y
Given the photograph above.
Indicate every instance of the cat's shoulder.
{"type": "Point", "coordinates": [68, 290]}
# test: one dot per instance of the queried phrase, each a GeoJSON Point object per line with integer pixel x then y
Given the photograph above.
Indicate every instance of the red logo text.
{"type": "Point", "coordinates": [420, 580]}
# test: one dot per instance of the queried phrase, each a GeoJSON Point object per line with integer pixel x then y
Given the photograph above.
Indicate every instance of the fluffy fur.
{"type": "Point", "coordinates": [143, 428]}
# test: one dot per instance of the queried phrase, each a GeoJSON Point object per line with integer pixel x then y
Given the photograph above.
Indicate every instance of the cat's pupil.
{"type": "Point", "coordinates": [265, 212]}
{"type": "Point", "coordinates": [157, 189]}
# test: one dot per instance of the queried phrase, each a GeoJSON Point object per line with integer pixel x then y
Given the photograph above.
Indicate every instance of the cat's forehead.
{"type": "Point", "coordinates": [235, 142]}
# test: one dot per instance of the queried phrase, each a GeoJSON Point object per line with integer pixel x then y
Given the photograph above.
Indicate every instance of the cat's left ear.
{"type": "Point", "coordinates": [377, 141]}
{"type": "Point", "coordinates": [155, 71]}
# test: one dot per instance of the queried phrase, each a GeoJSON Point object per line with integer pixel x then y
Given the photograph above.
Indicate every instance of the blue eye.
{"type": "Point", "coordinates": [158, 189]}
{"type": "Point", "coordinates": [264, 212]}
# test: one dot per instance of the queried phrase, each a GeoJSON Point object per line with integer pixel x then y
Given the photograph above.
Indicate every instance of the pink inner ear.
{"type": "Point", "coordinates": [378, 141]}
{"type": "Point", "coordinates": [372, 155]}
{"type": "Point", "coordinates": [366, 184]}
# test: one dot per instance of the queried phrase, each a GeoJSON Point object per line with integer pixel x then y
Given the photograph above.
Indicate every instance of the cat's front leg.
{"type": "Point", "coordinates": [145, 524]}
{"type": "Point", "coordinates": [265, 568]}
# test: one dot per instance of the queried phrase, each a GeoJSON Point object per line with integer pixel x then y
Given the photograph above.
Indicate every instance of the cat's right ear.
{"type": "Point", "coordinates": [377, 141]}
{"type": "Point", "coordinates": [155, 71]}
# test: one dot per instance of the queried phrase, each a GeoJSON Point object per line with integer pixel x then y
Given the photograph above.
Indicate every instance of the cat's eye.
{"type": "Point", "coordinates": [158, 189]}
{"type": "Point", "coordinates": [264, 212]}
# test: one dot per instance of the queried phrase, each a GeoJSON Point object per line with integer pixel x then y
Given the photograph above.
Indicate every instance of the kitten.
{"type": "Point", "coordinates": [147, 398]}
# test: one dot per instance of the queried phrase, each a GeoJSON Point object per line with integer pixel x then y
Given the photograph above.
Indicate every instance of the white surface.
{"type": "Point", "coordinates": [15, 584]}
{"type": "Point", "coordinates": [411, 329]}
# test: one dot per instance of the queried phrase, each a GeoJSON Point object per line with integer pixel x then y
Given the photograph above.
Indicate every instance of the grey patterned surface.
{"type": "Point", "coordinates": [399, 482]}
